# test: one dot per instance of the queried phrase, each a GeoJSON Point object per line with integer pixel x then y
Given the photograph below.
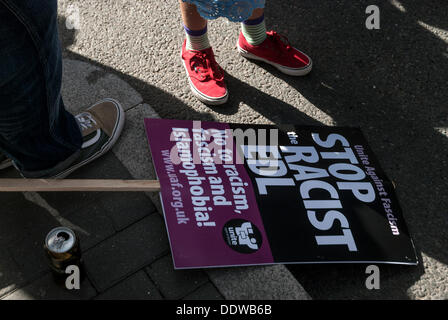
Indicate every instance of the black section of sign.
{"type": "Point", "coordinates": [348, 230]}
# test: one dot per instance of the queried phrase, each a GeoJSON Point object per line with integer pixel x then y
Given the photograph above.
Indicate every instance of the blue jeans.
{"type": "Point", "coordinates": [36, 131]}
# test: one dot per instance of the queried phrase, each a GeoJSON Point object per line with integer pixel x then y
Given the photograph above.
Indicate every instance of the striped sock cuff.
{"type": "Point", "coordinates": [195, 33]}
{"type": "Point", "coordinates": [197, 39]}
{"type": "Point", "coordinates": [254, 30]}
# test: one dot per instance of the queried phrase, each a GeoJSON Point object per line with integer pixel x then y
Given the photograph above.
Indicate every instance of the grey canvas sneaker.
{"type": "Point", "coordinates": [100, 125]}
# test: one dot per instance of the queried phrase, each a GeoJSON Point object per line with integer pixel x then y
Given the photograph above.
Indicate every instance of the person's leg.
{"type": "Point", "coordinates": [257, 13]}
{"type": "Point", "coordinates": [36, 131]}
{"type": "Point", "coordinates": [205, 76]}
{"type": "Point", "coordinates": [255, 43]}
{"type": "Point", "coordinates": [191, 17]}
{"type": "Point", "coordinates": [195, 27]}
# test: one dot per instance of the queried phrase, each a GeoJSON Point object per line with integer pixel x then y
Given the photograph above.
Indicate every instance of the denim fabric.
{"type": "Point", "coordinates": [36, 131]}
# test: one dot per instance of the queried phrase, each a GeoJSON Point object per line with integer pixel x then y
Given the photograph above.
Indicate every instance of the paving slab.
{"type": "Point", "coordinates": [105, 167]}
{"type": "Point", "coordinates": [93, 84]}
{"type": "Point", "coordinates": [22, 219]}
{"type": "Point", "coordinates": [46, 289]}
{"type": "Point", "coordinates": [125, 208]}
{"type": "Point", "coordinates": [175, 284]}
{"type": "Point", "coordinates": [205, 292]}
{"type": "Point", "coordinates": [126, 252]}
{"type": "Point", "coordinates": [258, 283]}
{"type": "Point", "coordinates": [93, 225]}
{"type": "Point", "coordinates": [133, 150]}
{"type": "Point", "coordinates": [136, 287]}
{"type": "Point", "coordinates": [29, 257]}
{"type": "Point", "coordinates": [10, 276]}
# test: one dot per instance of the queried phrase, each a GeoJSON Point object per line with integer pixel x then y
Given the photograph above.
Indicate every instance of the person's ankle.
{"type": "Point", "coordinates": [196, 39]}
{"type": "Point", "coordinates": [254, 30]}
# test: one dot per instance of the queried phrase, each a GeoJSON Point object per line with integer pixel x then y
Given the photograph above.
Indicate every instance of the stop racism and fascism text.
{"type": "Point", "coordinates": [236, 194]}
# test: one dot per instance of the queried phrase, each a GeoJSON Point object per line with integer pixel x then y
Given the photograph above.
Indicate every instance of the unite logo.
{"type": "Point", "coordinates": [242, 236]}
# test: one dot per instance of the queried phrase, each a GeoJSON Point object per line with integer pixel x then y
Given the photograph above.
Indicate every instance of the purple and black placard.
{"type": "Point", "coordinates": [236, 194]}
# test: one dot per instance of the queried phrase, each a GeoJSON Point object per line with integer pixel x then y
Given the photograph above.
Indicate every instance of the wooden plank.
{"type": "Point", "coordinates": [56, 185]}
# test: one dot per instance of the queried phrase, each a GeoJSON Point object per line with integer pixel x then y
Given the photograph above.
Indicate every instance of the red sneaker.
{"type": "Point", "coordinates": [206, 77]}
{"type": "Point", "coordinates": [277, 51]}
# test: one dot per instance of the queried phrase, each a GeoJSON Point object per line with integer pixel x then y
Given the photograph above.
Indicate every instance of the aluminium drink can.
{"type": "Point", "coordinates": [62, 250]}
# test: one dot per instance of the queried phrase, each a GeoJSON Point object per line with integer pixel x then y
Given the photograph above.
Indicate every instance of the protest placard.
{"type": "Point", "coordinates": [237, 194]}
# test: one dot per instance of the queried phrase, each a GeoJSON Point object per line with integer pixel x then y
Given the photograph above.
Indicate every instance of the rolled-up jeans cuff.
{"type": "Point", "coordinates": [48, 173]}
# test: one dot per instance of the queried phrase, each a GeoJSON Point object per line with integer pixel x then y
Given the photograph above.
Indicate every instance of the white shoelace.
{"type": "Point", "coordinates": [85, 121]}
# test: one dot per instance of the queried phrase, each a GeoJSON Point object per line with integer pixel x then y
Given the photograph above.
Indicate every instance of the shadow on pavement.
{"type": "Point", "coordinates": [392, 83]}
